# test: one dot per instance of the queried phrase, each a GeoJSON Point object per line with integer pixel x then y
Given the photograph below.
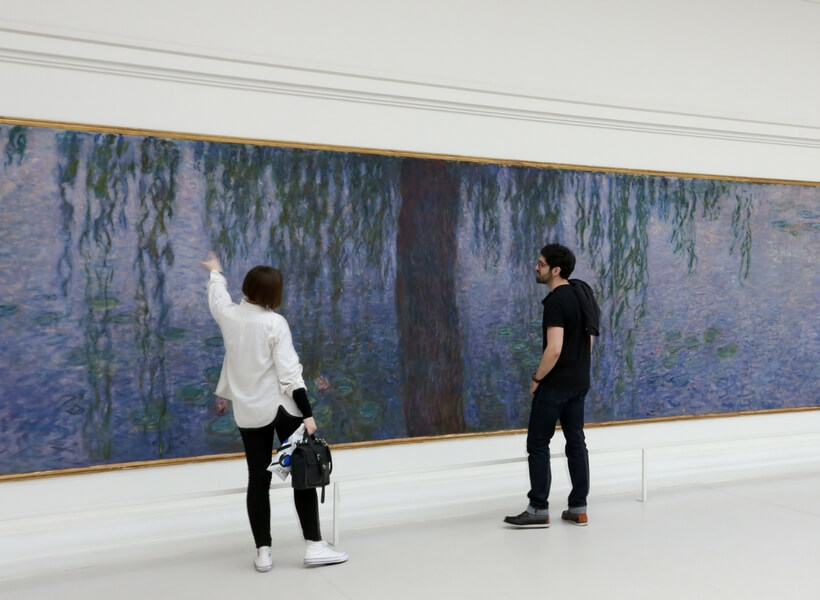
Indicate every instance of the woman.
{"type": "Point", "coordinates": [262, 377]}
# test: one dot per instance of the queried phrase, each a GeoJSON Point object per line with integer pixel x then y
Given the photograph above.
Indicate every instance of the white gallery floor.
{"type": "Point", "coordinates": [742, 539]}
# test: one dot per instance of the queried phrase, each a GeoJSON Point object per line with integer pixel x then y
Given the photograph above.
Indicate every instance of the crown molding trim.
{"type": "Point", "coordinates": [46, 50]}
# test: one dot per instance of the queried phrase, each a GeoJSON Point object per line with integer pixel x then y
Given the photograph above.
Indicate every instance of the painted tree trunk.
{"type": "Point", "coordinates": [431, 367]}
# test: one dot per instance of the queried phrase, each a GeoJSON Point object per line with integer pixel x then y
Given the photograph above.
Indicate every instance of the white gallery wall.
{"type": "Point", "coordinates": [724, 87]}
{"type": "Point", "coordinates": [710, 87]}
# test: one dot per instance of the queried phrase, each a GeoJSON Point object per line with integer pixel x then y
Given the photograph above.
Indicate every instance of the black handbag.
{"type": "Point", "coordinates": [311, 464]}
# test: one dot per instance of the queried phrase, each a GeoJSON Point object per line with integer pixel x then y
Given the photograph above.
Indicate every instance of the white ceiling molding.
{"type": "Point", "coordinates": [252, 74]}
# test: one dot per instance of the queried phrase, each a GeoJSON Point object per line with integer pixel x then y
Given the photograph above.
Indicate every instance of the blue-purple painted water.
{"type": "Point", "coordinates": [709, 291]}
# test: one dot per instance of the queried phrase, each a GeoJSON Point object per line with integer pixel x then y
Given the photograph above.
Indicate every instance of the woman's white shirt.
{"type": "Point", "coordinates": [261, 368]}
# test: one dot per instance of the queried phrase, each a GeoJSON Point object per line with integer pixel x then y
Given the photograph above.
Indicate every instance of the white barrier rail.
{"type": "Point", "coordinates": [646, 453]}
{"type": "Point", "coordinates": [59, 512]}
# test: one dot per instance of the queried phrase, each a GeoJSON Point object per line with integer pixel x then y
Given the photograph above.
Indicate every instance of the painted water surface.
{"type": "Point", "coordinates": [409, 289]}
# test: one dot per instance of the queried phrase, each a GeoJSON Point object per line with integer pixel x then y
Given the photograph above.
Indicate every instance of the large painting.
{"type": "Point", "coordinates": [409, 287]}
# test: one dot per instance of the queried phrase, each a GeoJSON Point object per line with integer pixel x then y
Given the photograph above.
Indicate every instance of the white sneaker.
{"type": "Point", "coordinates": [319, 553]}
{"type": "Point", "coordinates": [264, 560]}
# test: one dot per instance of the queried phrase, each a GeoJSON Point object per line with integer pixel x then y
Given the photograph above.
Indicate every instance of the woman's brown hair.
{"type": "Point", "coordinates": [263, 286]}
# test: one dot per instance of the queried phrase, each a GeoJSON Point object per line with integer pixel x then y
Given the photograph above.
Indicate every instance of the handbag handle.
{"type": "Point", "coordinates": [312, 439]}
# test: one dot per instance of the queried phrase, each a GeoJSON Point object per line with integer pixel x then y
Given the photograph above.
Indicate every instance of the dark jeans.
{"type": "Point", "coordinates": [548, 407]}
{"type": "Point", "coordinates": [258, 449]}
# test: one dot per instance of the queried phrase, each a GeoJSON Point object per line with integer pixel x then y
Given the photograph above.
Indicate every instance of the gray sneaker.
{"type": "Point", "coordinates": [528, 520]}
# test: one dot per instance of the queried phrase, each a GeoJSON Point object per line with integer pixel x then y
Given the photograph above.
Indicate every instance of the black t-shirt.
{"type": "Point", "coordinates": [562, 309]}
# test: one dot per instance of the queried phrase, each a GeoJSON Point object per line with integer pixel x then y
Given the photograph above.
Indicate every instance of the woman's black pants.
{"type": "Point", "coordinates": [258, 444]}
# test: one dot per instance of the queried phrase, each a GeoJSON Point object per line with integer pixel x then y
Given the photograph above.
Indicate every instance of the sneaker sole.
{"type": "Point", "coordinates": [315, 562]}
{"type": "Point", "coordinates": [263, 569]}
{"type": "Point", "coordinates": [577, 523]}
{"type": "Point", "coordinates": [532, 526]}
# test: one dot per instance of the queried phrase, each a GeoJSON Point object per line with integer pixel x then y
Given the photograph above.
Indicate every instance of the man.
{"type": "Point", "coordinates": [559, 386]}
